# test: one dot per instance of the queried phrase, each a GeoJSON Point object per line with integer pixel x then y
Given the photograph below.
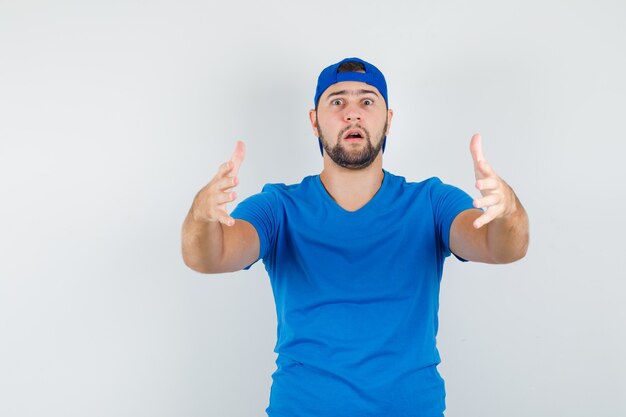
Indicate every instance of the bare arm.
{"type": "Point", "coordinates": [212, 241]}
{"type": "Point", "coordinates": [499, 234]}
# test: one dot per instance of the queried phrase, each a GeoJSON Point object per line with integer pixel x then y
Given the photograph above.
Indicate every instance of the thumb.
{"type": "Point", "coordinates": [237, 158]}
{"type": "Point", "coordinates": [476, 149]}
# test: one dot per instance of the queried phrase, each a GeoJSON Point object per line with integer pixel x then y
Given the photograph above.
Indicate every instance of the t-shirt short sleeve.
{"type": "Point", "coordinates": [260, 211]}
{"type": "Point", "coordinates": [448, 201]}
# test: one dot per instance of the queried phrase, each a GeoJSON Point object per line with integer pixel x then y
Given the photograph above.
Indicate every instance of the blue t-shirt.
{"type": "Point", "coordinates": [357, 295]}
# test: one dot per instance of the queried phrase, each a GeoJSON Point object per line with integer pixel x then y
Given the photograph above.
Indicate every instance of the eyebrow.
{"type": "Point", "coordinates": [352, 93]}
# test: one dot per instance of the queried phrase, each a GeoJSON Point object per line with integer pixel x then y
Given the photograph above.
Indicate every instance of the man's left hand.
{"type": "Point", "coordinates": [498, 199]}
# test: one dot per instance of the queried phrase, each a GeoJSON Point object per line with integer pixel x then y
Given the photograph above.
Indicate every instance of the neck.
{"type": "Point", "coordinates": [352, 188]}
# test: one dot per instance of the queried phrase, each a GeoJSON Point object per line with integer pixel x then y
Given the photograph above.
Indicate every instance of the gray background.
{"type": "Point", "coordinates": [114, 114]}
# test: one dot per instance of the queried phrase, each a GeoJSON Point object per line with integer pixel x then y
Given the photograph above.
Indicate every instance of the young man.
{"type": "Point", "coordinates": [355, 257]}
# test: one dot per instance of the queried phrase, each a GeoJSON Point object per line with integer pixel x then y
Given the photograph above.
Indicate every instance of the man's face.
{"type": "Point", "coordinates": [351, 120]}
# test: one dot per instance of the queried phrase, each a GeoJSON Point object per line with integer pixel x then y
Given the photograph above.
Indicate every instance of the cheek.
{"type": "Point", "coordinates": [328, 122]}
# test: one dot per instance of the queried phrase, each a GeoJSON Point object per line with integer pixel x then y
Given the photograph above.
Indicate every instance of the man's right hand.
{"type": "Point", "coordinates": [209, 204]}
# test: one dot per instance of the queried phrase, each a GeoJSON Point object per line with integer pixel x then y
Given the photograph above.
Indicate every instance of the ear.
{"type": "Point", "coordinates": [313, 119]}
{"type": "Point", "coordinates": [389, 117]}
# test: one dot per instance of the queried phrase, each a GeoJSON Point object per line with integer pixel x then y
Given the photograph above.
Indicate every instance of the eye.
{"type": "Point", "coordinates": [336, 102]}
{"type": "Point", "coordinates": [368, 102]}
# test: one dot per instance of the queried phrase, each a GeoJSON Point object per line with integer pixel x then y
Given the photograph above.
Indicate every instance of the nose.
{"type": "Point", "coordinates": [352, 114]}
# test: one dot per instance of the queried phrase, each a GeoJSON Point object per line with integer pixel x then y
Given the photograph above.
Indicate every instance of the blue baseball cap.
{"type": "Point", "coordinates": [330, 76]}
{"type": "Point", "coordinates": [371, 76]}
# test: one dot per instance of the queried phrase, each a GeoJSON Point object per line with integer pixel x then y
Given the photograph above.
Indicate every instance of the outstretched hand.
{"type": "Point", "coordinates": [498, 199]}
{"type": "Point", "coordinates": [210, 202]}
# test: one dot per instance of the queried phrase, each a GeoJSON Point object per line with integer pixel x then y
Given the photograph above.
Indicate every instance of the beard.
{"type": "Point", "coordinates": [357, 158]}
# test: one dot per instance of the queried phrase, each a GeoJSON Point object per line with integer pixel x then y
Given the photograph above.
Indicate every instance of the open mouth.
{"type": "Point", "coordinates": [354, 134]}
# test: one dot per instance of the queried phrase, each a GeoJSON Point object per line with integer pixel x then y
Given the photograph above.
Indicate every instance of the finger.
{"type": "Point", "coordinates": [227, 197]}
{"type": "Point", "coordinates": [487, 201]}
{"type": "Point", "coordinates": [483, 169]}
{"type": "Point", "coordinates": [228, 221]}
{"type": "Point", "coordinates": [476, 148]}
{"type": "Point", "coordinates": [224, 168]}
{"type": "Point", "coordinates": [487, 184]}
{"type": "Point", "coordinates": [237, 158]}
{"type": "Point", "coordinates": [226, 182]}
{"type": "Point", "coordinates": [485, 218]}
{"type": "Point", "coordinates": [225, 219]}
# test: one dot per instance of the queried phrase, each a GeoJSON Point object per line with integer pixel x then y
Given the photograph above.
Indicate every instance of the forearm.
{"type": "Point", "coordinates": [507, 236]}
{"type": "Point", "coordinates": [202, 244]}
